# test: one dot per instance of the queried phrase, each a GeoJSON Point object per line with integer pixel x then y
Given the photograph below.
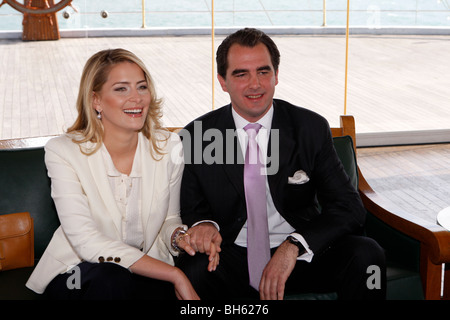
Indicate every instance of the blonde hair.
{"type": "Point", "coordinates": [94, 76]}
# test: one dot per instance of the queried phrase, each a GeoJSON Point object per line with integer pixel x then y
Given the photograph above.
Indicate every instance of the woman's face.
{"type": "Point", "coordinates": [124, 99]}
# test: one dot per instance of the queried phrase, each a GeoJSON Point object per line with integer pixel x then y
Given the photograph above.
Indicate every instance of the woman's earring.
{"type": "Point", "coordinates": [99, 115]}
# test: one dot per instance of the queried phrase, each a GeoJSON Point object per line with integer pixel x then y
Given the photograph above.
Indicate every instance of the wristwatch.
{"type": "Point", "coordinates": [294, 241]}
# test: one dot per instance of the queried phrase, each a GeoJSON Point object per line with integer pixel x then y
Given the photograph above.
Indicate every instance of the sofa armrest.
{"type": "Point", "coordinates": [434, 239]}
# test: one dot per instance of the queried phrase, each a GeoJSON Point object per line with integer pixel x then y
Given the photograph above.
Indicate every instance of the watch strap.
{"type": "Point", "coordinates": [294, 241]}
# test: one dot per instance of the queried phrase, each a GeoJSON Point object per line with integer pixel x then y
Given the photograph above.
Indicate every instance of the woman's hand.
{"type": "Point", "coordinates": [183, 287]}
{"type": "Point", "coordinates": [156, 269]}
{"type": "Point", "coordinates": [182, 241]}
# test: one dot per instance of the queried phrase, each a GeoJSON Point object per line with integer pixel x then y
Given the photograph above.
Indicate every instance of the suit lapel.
{"type": "Point", "coordinates": [235, 170]}
{"type": "Point", "coordinates": [286, 149]}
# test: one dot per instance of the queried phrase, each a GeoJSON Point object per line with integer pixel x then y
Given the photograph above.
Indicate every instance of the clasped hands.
{"type": "Point", "coordinates": [205, 238]}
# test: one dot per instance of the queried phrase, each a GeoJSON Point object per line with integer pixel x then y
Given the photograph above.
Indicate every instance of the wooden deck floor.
{"type": "Point", "coordinates": [396, 83]}
{"type": "Point", "coordinates": [416, 178]}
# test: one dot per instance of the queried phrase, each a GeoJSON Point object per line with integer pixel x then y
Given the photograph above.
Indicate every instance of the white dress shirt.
{"type": "Point", "coordinates": [279, 228]}
{"type": "Point", "coordinates": [127, 193]}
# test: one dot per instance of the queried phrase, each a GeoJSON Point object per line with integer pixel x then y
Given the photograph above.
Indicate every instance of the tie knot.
{"type": "Point", "coordinates": [252, 127]}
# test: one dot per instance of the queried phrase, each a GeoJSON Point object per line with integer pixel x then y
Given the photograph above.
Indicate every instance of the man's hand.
{"type": "Point", "coordinates": [277, 271]}
{"type": "Point", "coordinates": [205, 238]}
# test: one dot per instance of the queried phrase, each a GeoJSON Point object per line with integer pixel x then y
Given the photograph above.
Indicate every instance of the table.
{"type": "Point", "coordinates": [443, 219]}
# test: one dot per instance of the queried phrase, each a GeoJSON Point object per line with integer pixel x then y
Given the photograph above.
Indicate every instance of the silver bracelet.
{"type": "Point", "coordinates": [179, 232]}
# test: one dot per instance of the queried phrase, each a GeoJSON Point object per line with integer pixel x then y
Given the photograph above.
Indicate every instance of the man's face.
{"type": "Point", "coordinates": [250, 80]}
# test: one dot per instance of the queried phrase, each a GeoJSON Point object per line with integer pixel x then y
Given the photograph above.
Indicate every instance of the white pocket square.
{"type": "Point", "coordinates": [300, 177]}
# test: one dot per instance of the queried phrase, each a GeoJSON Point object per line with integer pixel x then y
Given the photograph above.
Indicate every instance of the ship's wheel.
{"type": "Point", "coordinates": [39, 17]}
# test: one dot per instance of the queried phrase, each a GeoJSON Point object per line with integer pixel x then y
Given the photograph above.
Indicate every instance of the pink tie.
{"type": "Point", "coordinates": [258, 247]}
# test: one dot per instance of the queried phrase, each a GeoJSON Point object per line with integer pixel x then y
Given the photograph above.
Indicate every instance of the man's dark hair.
{"type": "Point", "coordinates": [247, 37]}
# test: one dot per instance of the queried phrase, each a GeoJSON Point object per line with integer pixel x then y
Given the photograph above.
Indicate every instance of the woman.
{"type": "Point", "coordinates": [116, 190]}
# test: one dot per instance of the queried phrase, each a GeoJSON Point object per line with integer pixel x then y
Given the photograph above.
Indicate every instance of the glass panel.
{"type": "Point", "coordinates": [395, 83]}
{"type": "Point", "coordinates": [197, 13]}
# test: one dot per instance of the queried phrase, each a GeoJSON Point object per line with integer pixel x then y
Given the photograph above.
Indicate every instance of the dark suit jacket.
{"type": "Point", "coordinates": [215, 191]}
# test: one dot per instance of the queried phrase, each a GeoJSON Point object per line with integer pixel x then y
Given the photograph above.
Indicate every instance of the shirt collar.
{"type": "Point", "coordinates": [265, 122]}
{"type": "Point", "coordinates": [111, 169]}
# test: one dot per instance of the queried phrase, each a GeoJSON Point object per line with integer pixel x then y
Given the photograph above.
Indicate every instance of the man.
{"type": "Point", "coordinates": [313, 215]}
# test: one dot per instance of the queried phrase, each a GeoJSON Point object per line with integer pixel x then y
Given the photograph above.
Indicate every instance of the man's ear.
{"type": "Point", "coordinates": [222, 82]}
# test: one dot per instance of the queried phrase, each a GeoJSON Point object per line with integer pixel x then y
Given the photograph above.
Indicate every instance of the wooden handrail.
{"type": "Point", "coordinates": [34, 142]}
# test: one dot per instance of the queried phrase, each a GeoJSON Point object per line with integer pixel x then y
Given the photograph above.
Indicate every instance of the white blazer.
{"type": "Point", "coordinates": [90, 220]}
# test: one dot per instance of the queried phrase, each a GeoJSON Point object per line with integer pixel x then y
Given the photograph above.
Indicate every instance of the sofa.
{"type": "Point", "coordinates": [25, 187]}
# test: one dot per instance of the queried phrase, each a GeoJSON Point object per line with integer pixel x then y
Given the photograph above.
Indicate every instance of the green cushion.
{"type": "Point", "coordinates": [344, 149]}
{"type": "Point", "coordinates": [12, 285]}
{"type": "Point", "coordinates": [403, 284]}
{"type": "Point", "coordinates": [26, 187]}
{"type": "Point", "coordinates": [312, 296]}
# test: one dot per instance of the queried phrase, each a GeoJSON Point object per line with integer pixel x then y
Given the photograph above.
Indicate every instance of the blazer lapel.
{"type": "Point", "coordinates": [97, 168]}
{"type": "Point", "coordinates": [148, 170]}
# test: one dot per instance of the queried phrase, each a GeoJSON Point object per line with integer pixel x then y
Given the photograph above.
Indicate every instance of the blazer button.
{"type": "Point", "coordinates": [116, 259]}
{"type": "Point", "coordinates": [101, 259]}
{"type": "Point", "coordinates": [109, 259]}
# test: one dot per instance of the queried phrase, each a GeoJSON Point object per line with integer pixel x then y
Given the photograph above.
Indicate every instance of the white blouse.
{"type": "Point", "coordinates": [127, 192]}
